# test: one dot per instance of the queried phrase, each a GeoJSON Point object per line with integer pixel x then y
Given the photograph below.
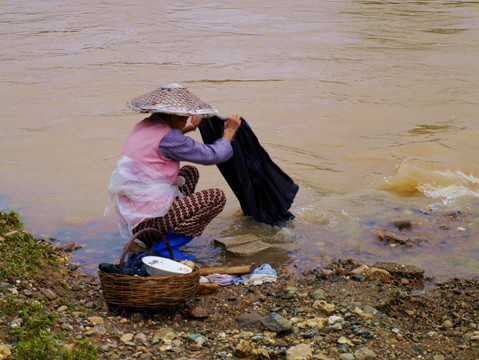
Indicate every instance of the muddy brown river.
{"type": "Point", "coordinates": [372, 107]}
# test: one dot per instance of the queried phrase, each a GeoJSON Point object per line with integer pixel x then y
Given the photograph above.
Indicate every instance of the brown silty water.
{"type": "Point", "coordinates": [370, 106]}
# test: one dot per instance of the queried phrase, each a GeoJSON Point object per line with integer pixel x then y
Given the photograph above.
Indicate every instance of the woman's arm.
{"type": "Point", "coordinates": [175, 145]}
{"type": "Point", "coordinates": [179, 147]}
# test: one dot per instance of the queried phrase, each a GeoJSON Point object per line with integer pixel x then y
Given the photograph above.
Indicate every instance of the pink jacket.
{"type": "Point", "coordinates": [142, 144]}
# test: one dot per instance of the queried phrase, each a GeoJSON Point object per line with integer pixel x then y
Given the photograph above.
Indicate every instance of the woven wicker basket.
{"type": "Point", "coordinates": [151, 292]}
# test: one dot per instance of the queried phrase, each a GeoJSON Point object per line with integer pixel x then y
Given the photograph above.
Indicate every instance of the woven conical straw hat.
{"type": "Point", "coordinates": [172, 99]}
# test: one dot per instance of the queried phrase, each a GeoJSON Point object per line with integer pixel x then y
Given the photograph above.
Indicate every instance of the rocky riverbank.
{"type": "Point", "coordinates": [345, 310]}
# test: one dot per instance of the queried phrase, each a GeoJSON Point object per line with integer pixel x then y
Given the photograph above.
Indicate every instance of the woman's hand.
{"type": "Point", "coordinates": [195, 121]}
{"type": "Point", "coordinates": [232, 125]}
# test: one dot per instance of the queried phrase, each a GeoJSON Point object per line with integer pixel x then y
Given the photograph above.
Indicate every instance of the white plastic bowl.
{"type": "Point", "coordinates": [160, 266]}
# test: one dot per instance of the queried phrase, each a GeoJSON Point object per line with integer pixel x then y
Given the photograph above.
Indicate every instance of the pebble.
{"type": "Point", "coordinates": [62, 308]}
{"type": "Point", "coordinates": [164, 334]}
{"type": "Point", "coordinates": [290, 292]}
{"type": "Point", "coordinates": [68, 347]}
{"type": "Point", "coordinates": [4, 352]}
{"type": "Point", "coordinates": [318, 294]}
{"type": "Point", "coordinates": [140, 338]}
{"type": "Point", "coordinates": [345, 340]}
{"type": "Point", "coordinates": [76, 314]}
{"type": "Point", "coordinates": [311, 333]}
{"type": "Point", "coordinates": [244, 349]}
{"type": "Point", "coordinates": [97, 320]}
{"type": "Point", "coordinates": [100, 330]}
{"type": "Point", "coordinates": [369, 310]}
{"type": "Point", "coordinates": [276, 323]}
{"type": "Point", "coordinates": [197, 312]}
{"type": "Point", "coordinates": [364, 353]}
{"type": "Point", "coordinates": [49, 294]}
{"type": "Point", "coordinates": [324, 306]}
{"type": "Point", "coordinates": [346, 356]}
{"type": "Point", "coordinates": [361, 270]}
{"type": "Point", "coordinates": [447, 324]}
{"type": "Point", "coordinates": [299, 352]}
{"type": "Point", "coordinates": [316, 323]}
{"type": "Point", "coordinates": [126, 337]}
{"type": "Point", "coordinates": [379, 274]}
{"type": "Point", "coordinates": [335, 319]}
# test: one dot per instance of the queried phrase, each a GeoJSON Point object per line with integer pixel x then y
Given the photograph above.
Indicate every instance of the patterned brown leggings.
{"type": "Point", "coordinates": [187, 216]}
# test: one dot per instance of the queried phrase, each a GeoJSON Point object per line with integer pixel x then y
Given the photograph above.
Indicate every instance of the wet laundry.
{"type": "Point", "coordinates": [264, 191]}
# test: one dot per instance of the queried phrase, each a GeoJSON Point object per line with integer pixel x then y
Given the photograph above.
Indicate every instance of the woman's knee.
{"type": "Point", "coordinates": [219, 197]}
{"type": "Point", "coordinates": [189, 171]}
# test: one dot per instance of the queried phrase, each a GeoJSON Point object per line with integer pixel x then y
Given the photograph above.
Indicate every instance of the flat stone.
{"type": "Point", "coordinates": [248, 249]}
{"type": "Point", "coordinates": [232, 241]}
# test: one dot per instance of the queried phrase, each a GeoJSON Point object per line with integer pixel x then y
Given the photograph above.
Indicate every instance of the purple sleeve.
{"type": "Point", "coordinates": [179, 147]}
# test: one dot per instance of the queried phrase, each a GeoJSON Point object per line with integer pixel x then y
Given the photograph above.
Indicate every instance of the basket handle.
{"type": "Point", "coordinates": [127, 247]}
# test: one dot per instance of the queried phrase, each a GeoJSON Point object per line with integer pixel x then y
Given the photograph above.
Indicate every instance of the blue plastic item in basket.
{"type": "Point", "coordinates": [174, 240]}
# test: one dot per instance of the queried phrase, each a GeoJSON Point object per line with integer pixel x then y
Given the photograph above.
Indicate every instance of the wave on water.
{"type": "Point", "coordinates": [433, 181]}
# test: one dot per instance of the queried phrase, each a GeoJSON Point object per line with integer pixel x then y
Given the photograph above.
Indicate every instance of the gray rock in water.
{"type": "Point", "coordinates": [248, 249]}
{"type": "Point", "coordinates": [402, 224]}
{"type": "Point", "coordinates": [277, 323]}
{"type": "Point", "coordinates": [232, 241]}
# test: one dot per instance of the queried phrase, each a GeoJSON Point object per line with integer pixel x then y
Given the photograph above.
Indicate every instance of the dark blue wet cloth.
{"type": "Point", "coordinates": [264, 191]}
{"type": "Point", "coordinates": [133, 267]}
